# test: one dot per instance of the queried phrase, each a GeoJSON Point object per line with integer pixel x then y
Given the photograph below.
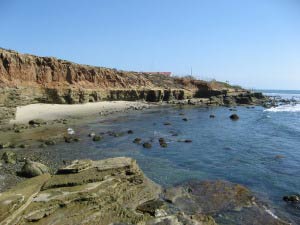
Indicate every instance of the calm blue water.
{"type": "Point", "coordinates": [242, 151]}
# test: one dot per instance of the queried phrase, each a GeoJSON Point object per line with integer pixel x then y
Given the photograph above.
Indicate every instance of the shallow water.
{"type": "Point", "coordinates": [242, 151]}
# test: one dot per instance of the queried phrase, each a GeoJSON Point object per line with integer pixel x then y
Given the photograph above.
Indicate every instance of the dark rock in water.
{"type": "Point", "coordinates": [187, 141]}
{"type": "Point", "coordinates": [115, 134]}
{"type": "Point", "coordinates": [163, 144]}
{"type": "Point", "coordinates": [118, 134]}
{"type": "Point", "coordinates": [33, 169]}
{"type": "Point", "coordinates": [234, 202]}
{"type": "Point", "coordinates": [167, 123]}
{"type": "Point", "coordinates": [92, 134]}
{"type": "Point", "coordinates": [147, 145]}
{"type": "Point", "coordinates": [279, 157]}
{"type": "Point", "coordinates": [68, 139]}
{"type": "Point", "coordinates": [137, 140]}
{"type": "Point", "coordinates": [43, 145]}
{"type": "Point", "coordinates": [130, 131]}
{"type": "Point", "coordinates": [212, 116]}
{"type": "Point", "coordinates": [4, 145]}
{"type": "Point", "coordinates": [23, 146]}
{"type": "Point", "coordinates": [161, 140]}
{"type": "Point", "coordinates": [151, 207]}
{"type": "Point", "coordinates": [9, 157]}
{"type": "Point", "coordinates": [185, 119]}
{"type": "Point", "coordinates": [234, 117]}
{"type": "Point", "coordinates": [50, 142]}
{"type": "Point", "coordinates": [36, 122]}
{"type": "Point", "coordinates": [292, 198]}
{"type": "Point", "coordinates": [12, 145]}
{"type": "Point", "coordinates": [97, 138]}
{"type": "Point", "coordinates": [76, 139]}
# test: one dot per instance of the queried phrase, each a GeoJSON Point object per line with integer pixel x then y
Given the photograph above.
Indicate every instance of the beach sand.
{"type": "Point", "coordinates": [61, 111]}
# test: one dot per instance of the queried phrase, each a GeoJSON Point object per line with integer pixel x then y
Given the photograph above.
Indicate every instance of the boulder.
{"type": "Point", "coordinates": [36, 122]}
{"type": "Point", "coordinates": [234, 117]}
{"type": "Point", "coordinates": [92, 134]}
{"type": "Point", "coordinates": [33, 169]}
{"type": "Point", "coordinates": [9, 157]}
{"type": "Point", "coordinates": [292, 198]}
{"type": "Point", "coordinates": [97, 138]}
{"type": "Point", "coordinates": [137, 140]}
{"type": "Point", "coordinates": [4, 145]}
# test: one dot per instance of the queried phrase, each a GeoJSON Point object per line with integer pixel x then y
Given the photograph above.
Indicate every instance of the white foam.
{"type": "Point", "coordinates": [284, 108]}
{"type": "Point", "coordinates": [271, 213]}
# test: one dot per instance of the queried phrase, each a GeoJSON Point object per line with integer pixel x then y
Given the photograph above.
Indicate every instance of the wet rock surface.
{"type": "Point", "coordinates": [226, 202]}
{"type": "Point", "coordinates": [115, 191]}
{"type": "Point", "coordinates": [33, 169]}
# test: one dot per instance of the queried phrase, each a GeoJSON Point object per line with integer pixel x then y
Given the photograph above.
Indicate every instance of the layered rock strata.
{"type": "Point", "coordinates": [27, 79]}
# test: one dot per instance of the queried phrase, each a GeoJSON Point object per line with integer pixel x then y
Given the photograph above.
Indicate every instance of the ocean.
{"type": "Point", "coordinates": [261, 150]}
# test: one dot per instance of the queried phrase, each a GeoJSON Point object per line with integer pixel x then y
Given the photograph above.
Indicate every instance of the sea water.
{"type": "Point", "coordinates": [261, 150]}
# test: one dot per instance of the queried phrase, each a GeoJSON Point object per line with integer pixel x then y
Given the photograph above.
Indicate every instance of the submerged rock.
{"type": "Point", "coordinates": [234, 117]}
{"type": "Point", "coordinates": [9, 157]}
{"type": "Point", "coordinates": [212, 116]}
{"type": "Point", "coordinates": [162, 143]}
{"type": "Point", "coordinates": [234, 202]}
{"type": "Point", "coordinates": [137, 140]}
{"type": "Point", "coordinates": [33, 169]}
{"type": "Point", "coordinates": [97, 138]}
{"type": "Point", "coordinates": [151, 207]}
{"type": "Point", "coordinates": [147, 145]}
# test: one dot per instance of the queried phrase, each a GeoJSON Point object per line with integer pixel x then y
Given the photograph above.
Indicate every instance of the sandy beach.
{"type": "Point", "coordinates": [59, 111]}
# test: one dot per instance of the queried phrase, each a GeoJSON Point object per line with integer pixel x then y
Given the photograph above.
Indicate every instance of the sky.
{"type": "Point", "coordinates": [253, 43]}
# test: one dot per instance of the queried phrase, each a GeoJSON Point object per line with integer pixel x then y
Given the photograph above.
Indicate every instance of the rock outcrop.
{"type": "Point", "coordinates": [227, 202]}
{"type": "Point", "coordinates": [115, 191]}
{"type": "Point", "coordinates": [87, 192]}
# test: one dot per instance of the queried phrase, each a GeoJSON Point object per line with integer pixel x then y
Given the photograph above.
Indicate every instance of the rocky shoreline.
{"type": "Point", "coordinates": [115, 191]}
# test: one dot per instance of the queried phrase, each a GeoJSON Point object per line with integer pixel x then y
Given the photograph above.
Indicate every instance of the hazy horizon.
{"type": "Point", "coordinates": [254, 44]}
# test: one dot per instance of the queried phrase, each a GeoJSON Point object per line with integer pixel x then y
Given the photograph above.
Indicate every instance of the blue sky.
{"type": "Point", "coordinates": [255, 43]}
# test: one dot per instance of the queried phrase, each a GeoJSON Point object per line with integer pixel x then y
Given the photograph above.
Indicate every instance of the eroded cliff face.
{"type": "Point", "coordinates": [27, 79]}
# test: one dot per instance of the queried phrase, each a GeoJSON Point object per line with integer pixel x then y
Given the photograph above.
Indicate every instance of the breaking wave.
{"type": "Point", "coordinates": [284, 108]}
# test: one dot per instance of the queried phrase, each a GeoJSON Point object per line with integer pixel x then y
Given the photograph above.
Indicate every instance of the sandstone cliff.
{"type": "Point", "coordinates": [27, 79]}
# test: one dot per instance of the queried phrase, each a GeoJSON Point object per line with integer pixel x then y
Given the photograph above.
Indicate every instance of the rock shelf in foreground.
{"type": "Point", "coordinates": [115, 191]}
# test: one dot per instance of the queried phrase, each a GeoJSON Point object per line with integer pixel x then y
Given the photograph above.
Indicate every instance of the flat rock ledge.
{"type": "Point", "coordinates": [115, 191]}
